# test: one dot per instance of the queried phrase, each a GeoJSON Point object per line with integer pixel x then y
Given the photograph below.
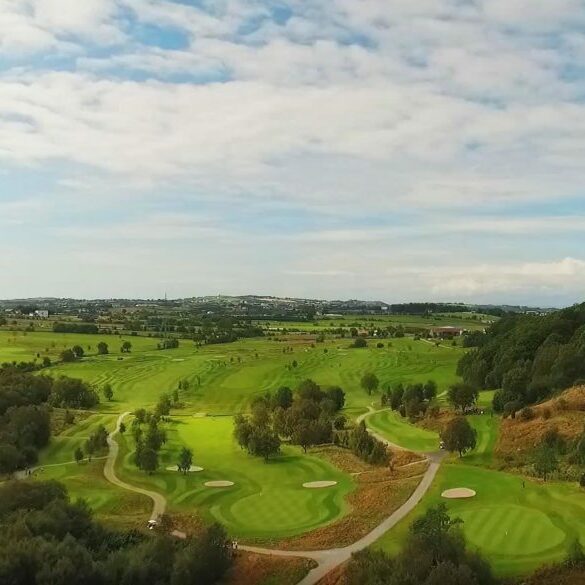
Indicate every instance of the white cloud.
{"type": "Point", "coordinates": [454, 116]}
{"type": "Point", "coordinates": [38, 25]}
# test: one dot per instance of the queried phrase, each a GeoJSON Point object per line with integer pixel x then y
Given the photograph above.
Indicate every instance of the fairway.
{"type": "Point", "coordinates": [399, 431]}
{"type": "Point", "coordinates": [224, 378]}
{"type": "Point", "coordinates": [517, 528]}
{"type": "Point", "coordinates": [267, 500]}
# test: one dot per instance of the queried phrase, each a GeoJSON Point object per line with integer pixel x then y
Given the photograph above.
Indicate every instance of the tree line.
{"type": "Point", "coordinates": [25, 412]}
{"type": "Point", "coordinates": [526, 358]}
{"type": "Point", "coordinates": [45, 538]}
{"type": "Point", "coordinates": [306, 417]}
{"type": "Point", "coordinates": [435, 553]}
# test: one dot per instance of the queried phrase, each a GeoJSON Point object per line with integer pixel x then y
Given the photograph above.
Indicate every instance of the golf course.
{"type": "Point", "coordinates": [518, 524]}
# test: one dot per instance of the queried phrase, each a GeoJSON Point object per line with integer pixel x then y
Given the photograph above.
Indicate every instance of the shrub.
{"type": "Point", "coordinates": [526, 414]}
{"type": "Point", "coordinates": [546, 413]}
{"type": "Point", "coordinates": [582, 481]}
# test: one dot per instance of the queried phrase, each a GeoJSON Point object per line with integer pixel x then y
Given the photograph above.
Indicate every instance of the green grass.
{"type": "Point", "coordinates": [231, 374]}
{"type": "Point", "coordinates": [487, 428]}
{"type": "Point", "coordinates": [517, 528]}
{"type": "Point", "coordinates": [398, 430]}
{"type": "Point", "coordinates": [382, 321]}
{"type": "Point", "coordinates": [267, 500]}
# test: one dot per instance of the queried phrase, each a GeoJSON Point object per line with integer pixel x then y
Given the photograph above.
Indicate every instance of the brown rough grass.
{"type": "Point", "coordinates": [567, 415]}
{"type": "Point", "coordinates": [437, 423]}
{"type": "Point", "coordinates": [252, 569]}
{"type": "Point", "coordinates": [379, 492]}
{"type": "Point", "coordinates": [335, 577]}
{"type": "Point", "coordinates": [557, 576]}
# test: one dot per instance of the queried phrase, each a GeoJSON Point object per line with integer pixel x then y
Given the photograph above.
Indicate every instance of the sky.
{"type": "Point", "coordinates": [397, 150]}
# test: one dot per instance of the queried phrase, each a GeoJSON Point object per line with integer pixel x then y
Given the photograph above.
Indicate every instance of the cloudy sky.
{"type": "Point", "coordinates": [378, 149]}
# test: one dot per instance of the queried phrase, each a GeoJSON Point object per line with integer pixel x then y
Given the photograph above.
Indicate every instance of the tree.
{"type": "Point", "coordinates": [462, 395]}
{"type": "Point", "coordinates": [337, 395]}
{"type": "Point", "coordinates": [545, 461]}
{"type": "Point", "coordinates": [148, 460]}
{"type": "Point", "coordinates": [185, 460]}
{"type": "Point", "coordinates": [78, 351]}
{"type": "Point", "coordinates": [396, 398]}
{"type": "Point", "coordinates": [122, 428]}
{"type": "Point", "coordinates": [283, 397]}
{"type": "Point", "coordinates": [304, 435]}
{"type": "Point", "coordinates": [430, 390]}
{"type": "Point", "coordinates": [163, 406]}
{"type": "Point", "coordinates": [126, 347]}
{"type": "Point", "coordinates": [359, 343]}
{"type": "Point", "coordinates": [73, 393]}
{"type": "Point", "coordinates": [459, 436]}
{"type": "Point", "coordinates": [310, 390]}
{"type": "Point", "coordinates": [369, 382]}
{"type": "Point", "coordinates": [242, 430]}
{"type": "Point", "coordinates": [78, 454]}
{"type": "Point", "coordinates": [67, 355]}
{"type": "Point", "coordinates": [108, 392]}
{"type": "Point", "coordinates": [264, 443]}
{"type": "Point", "coordinates": [102, 348]}
{"type": "Point", "coordinates": [10, 458]}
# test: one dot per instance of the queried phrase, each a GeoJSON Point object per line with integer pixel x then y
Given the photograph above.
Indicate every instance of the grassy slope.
{"type": "Point", "coordinates": [398, 430]}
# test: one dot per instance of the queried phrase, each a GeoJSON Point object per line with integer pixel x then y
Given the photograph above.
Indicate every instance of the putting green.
{"type": "Point", "coordinates": [267, 499]}
{"type": "Point", "coordinates": [398, 430]}
{"type": "Point", "coordinates": [517, 528]}
{"type": "Point", "coordinates": [524, 530]}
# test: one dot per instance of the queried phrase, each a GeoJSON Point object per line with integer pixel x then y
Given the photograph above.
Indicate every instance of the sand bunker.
{"type": "Point", "coordinates": [200, 415]}
{"type": "Point", "coordinates": [456, 493]}
{"type": "Point", "coordinates": [319, 484]}
{"type": "Point", "coordinates": [191, 469]}
{"type": "Point", "coordinates": [220, 483]}
{"type": "Point", "coordinates": [178, 360]}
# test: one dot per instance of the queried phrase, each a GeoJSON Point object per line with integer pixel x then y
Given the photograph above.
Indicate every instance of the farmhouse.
{"type": "Point", "coordinates": [447, 332]}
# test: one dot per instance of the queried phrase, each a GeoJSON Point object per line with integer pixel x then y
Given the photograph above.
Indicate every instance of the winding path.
{"type": "Point", "coordinates": [158, 500]}
{"type": "Point", "coordinates": [326, 560]}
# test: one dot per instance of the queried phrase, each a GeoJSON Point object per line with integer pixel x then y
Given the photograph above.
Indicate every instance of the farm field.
{"type": "Point", "coordinates": [517, 528]}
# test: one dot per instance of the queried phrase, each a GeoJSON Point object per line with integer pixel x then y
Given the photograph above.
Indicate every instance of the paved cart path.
{"type": "Point", "coordinates": [326, 560]}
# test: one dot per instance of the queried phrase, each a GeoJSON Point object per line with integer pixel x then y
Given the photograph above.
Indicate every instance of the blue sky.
{"type": "Point", "coordinates": [379, 149]}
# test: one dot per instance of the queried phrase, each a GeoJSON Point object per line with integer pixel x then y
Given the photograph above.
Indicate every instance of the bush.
{"type": "Point", "coordinates": [526, 414]}
{"type": "Point", "coordinates": [546, 413]}
{"type": "Point", "coordinates": [582, 481]}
